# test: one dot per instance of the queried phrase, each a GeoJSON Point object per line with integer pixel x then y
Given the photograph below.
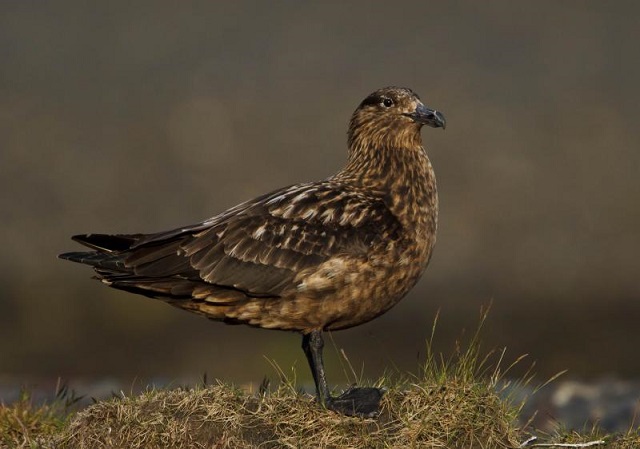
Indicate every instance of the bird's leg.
{"type": "Point", "coordinates": [312, 345]}
{"type": "Point", "coordinates": [364, 402]}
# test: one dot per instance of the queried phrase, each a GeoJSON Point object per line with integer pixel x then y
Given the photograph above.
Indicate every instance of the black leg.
{"type": "Point", "coordinates": [312, 345]}
{"type": "Point", "coordinates": [363, 402]}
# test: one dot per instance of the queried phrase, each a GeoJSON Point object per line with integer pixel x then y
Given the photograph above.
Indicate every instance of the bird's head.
{"type": "Point", "coordinates": [392, 117]}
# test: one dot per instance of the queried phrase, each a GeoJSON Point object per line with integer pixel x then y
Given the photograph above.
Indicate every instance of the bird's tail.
{"type": "Point", "coordinates": [107, 254]}
{"type": "Point", "coordinates": [96, 259]}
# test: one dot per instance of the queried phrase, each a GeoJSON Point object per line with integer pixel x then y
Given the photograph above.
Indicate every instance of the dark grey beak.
{"type": "Point", "coordinates": [426, 116]}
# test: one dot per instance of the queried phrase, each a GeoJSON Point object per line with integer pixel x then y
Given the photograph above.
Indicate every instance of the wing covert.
{"type": "Point", "coordinates": [261, 248]}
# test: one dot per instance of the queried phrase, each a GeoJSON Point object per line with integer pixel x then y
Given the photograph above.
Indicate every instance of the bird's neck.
{"type": "Point", "coordinates": [403, 176]}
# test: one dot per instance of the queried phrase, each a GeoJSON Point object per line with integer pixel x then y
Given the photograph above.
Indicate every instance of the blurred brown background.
{"type": "Point", "coordinates": [142, 116]}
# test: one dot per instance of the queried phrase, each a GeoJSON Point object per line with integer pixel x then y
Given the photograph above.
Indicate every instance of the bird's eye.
{"type": "Point", "coordinates": [387, 102]}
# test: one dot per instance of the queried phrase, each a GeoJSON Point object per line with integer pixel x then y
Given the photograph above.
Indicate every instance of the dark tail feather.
{"type": "Point", "coordinates": [106, 242]}
{"type": "Point", "coordinates": [95, 259]}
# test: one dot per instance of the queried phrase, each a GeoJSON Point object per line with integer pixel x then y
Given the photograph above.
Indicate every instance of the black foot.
{"type": "Point", "coordinates": [362, 402]}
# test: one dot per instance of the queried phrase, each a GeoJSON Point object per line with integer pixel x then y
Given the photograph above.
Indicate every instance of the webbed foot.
{"type": "Point", "coordinates": [362, 402]}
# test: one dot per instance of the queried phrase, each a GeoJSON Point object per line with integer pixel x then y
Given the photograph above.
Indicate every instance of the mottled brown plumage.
{"type": "Point", "coordinates": [311, 257]}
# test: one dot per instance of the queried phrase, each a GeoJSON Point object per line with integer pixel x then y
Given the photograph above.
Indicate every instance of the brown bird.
{"type": "Point", "coordinates": [311, 257]}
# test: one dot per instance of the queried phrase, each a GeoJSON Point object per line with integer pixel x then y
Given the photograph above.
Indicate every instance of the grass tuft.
{"type": "Point", "coordinates": [25, 424]}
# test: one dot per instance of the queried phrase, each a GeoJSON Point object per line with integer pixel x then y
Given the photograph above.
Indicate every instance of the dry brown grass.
{"type": "Point", "coordinates": [420, 415]}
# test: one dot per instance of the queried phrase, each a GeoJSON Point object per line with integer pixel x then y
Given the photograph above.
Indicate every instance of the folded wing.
{"type": "Point", "coordinates": [253, 250]}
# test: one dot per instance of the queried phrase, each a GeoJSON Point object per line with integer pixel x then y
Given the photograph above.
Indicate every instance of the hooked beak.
{"type": "Point", "coordinates": [425, 116]}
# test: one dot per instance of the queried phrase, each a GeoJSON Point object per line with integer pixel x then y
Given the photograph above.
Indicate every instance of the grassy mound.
{"type": "Point", "coordinates": [421, 415]}
{"type": "Point", "coordinates": [452, 404]}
